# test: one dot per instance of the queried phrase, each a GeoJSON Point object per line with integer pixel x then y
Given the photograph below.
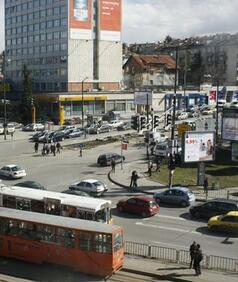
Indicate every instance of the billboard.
{"type": "Point", "coordinates": [80, 22]}
{"type": "Point", "coordinates": [198, 146]}
{"type": "Point", "coordinates": [143, 98]}
{"type": "Point", "coordinates": [110, 20]}
{"type": "Point", "coordinates": [230, 125]}
{"type": "Point", "coordinates": [234, 152]}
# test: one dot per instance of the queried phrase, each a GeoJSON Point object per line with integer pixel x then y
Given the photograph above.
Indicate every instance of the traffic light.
{"type": "Point", "coordinates": [135, 122]}
{"type": "Point", "coordinates": [156, 121]}
{"type": "Point", "coordinates": [142, 122]}
{"type": "Point", "coordinates": [169, 119]}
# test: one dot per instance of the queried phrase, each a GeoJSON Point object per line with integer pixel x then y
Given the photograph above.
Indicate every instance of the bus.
{"type": "Point", "coordinates": [55, 203]}
{"type": "Point", "coordinates": [85, 246]}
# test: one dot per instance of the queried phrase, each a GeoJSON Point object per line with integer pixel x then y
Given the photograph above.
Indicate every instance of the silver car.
{"type": "Point", "coordinates": [91, 186]}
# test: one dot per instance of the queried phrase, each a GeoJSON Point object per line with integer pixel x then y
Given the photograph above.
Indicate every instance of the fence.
{"type": "Point", "coordinates": [179, 256]}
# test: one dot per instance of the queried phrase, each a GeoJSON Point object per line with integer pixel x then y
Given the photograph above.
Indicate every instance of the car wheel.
{"type": "Point", "coordinates": [197, 214]}
{"type": "Point", "coordinates": [184, 204]}
{"type": "Point", "coordinates": [144, 214]}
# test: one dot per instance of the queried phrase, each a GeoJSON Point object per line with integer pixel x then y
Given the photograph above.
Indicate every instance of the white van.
{"type": "Point", "coordinates": [163, 149]}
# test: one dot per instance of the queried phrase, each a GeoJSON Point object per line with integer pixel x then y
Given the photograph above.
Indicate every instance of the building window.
{"type": "Point", "coordinates": [63, 47]}
{"type": "Point", "coordinates": [49, 36]}
{"type": "Point", "coordinates": [42, 13]}
{"type": "Point", "coordinates": [36, 38]}
{"type": "Point", "coordinates": [49, 24]}
{"type": "Point", "coordinates": [63, 34]}
{"type": "Point", "coordinates": [63, 22]}
{"type": "Point", "coordinates": [56, 23]}
{"type": "Point", "coordinates": [56, 35]}
{"type": "Point", "coordinates": [42, 37]}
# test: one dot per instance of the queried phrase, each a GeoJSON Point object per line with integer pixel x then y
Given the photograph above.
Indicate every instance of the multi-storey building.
{"type": "Point", "coordinates": [66, 44]}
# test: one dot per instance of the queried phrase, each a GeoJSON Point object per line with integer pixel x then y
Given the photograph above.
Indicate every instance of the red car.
{"type": "Point", "coordinates": [144, 206]}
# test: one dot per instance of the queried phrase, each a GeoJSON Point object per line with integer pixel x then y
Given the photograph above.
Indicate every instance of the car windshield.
{"type": "Point", "coordinates": [152, 204]}
{"type": "Point", "coordinates": [98, 183]}
{"type": "Point", "coordinates": [16, 168]}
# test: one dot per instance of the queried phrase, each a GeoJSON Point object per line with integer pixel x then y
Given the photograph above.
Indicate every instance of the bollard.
{"type": "Point", "coordinates": [228, 195]}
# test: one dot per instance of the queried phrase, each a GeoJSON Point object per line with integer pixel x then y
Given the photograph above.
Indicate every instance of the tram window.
{"type": "Point", "coordinates": [101, 216]}
{"type": "Point", "coordinates": [37, 206]}
{"type": "Point", "coordinates": [66, 237]}
{"type": "Point", "coordinates": [4, 226]}
{"type": "Point", "coordinates": [53, 209]}
{"type": "Point", "coordinates": [96, 242]}
{"type": "Point", "coordinates": [23, 204]}
{"type": "Point", "coordinates": [9, 202]}
{"type": "Point", "coordinates": [81, 214]}
{"type": "Point", "coordinates": [89, 216]}
{"type": "Point", "coordinates": [85, 242]}
{"type": "Point", "coordinates": [27, 230]}
{"type": "Point", "coordinates": [48, 233]}
{"type": "Point", "coordinates": [13, 228]}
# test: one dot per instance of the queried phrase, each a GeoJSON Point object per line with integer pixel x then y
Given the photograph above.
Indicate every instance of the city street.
{"type": "Point", "coordinates": [172, 227]}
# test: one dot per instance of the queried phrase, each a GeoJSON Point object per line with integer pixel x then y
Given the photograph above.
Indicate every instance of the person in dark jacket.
{"type": "Point", "coordinates": [113, 164]}
{"type": "Point", "coordinates": [198, 257]}
{"type": "Point", "coordinates": [36, 147]}
{"type": "Point", "coordinates": [192, 251]}
{"type": "Point", "coordinates": [58, 147]}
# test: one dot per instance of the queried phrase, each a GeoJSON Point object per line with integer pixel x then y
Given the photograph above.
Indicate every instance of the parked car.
{"type": "Point", "coordinates": [30, 184]}
{"type": "Point", "coordinates": [33, 127]}
{"type": "Point", "coordinates": [234, 105]}
{"type": "Point", "coordinates": [182, 116]}
{"type": "Point", "coordinates": [76, 133]}
{"type": "Point", "coordinates": [76, 193]}
{"type": "Point", "coordinates": [12, 171]}
{"type": "Point", "coordinates": [35, 136]}
{"type": "Point", "coordinates": [208, 110]}
{"type": "Point", "coordinates": [92, 186]}
{"type": "Point", "coordinates": [45, 137]}
{"type": "Point", "coordinates": [226, 222]}
{"type": "Point", "coordinates": [175, 196]}
{"type": "Point", "coordinates": [142, 205]}
{"type": "Point", "coordinates": [1, 129]}
{"type": "Point", "coordinates": [115, 123]}
{"type": "Point", "coordinates": [124, 126]}
{"type": "Point", "coordinates": [57, 136]}
{"type": "Point", "coordinates": [92, 129]}
{"type": "Point", "coordinates": [10, 128]}
{"type": "Point", "coordinates": [103, 128]}
{"type": "Point", "coordinates": [106, 159]}
{"type": "Point", "coordinates": [213, 207]}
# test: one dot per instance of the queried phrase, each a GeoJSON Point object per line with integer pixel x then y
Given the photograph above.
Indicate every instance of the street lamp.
{"type": "Point", "coordinates": [4, 95]}
{"type": "Point", "coordinates": [82, 82]}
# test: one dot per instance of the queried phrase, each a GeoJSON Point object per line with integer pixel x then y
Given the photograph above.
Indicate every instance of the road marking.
{"type": "Point", "coordinates": [170, 244]}
{"type": "Point", "coordinates": [167, 216]}
{"type": "Point", "coordinates": [168, 228]}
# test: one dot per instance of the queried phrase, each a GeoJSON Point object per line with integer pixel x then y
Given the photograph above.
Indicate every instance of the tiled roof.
{"type": "Point", "coordinates": [146, 61]}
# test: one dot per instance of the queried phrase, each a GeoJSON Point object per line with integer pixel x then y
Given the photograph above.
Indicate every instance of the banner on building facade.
{"type": "Point", "coordinates": [80, 19]}
{"type": "Point", "coordinates": [110, 20]}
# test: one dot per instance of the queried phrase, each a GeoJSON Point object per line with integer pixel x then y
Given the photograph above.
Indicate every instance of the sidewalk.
{"type": "Point", "coordinates": [122, 178]}
{"type": "Point", "coordinates": [174, 272]}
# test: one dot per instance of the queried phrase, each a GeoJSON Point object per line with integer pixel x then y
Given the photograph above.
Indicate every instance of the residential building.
{"type": "Point", "coordinates": [156, 72]}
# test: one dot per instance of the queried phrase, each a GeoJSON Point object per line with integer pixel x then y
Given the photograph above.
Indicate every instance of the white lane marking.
{"type": "Point", "coordinates": [168, 228]}
{"type": "Point", "coordinates": [170, 244]}
{"type": "Point", "coordinates": [170, 217]}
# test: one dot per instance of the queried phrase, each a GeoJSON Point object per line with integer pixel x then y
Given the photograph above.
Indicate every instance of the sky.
{"type": "Point", "coordinates": [153, 20]}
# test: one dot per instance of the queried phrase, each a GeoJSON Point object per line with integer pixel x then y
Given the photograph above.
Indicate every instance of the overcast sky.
{"type": "Point", "coordinates": [152, 20]}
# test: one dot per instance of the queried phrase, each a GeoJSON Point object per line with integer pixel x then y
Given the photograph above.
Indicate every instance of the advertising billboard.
{"type": "Point", "coordinates": [198, 146]}
{"type": "Point", "coordinates": [80, 19]}
{"type": "Point", "coordinates": [230, 125]}
{"type": "Point", "coordinates": [234, 152]}
{"type": "Point", "coordinates": [143, 98]}
{"type": "Point", "coordinates": [110, 20]}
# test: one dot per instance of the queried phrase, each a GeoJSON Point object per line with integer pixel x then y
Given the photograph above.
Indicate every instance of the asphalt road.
{"type": "Point", "coordinates": [172, 227]}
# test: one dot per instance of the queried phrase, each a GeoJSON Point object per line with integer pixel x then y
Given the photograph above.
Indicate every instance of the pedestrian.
{"type": "Point", "coordinates": [53, 149]}
{"type": "Point", "coordinates": [80, 151]}
{"type": "Point", "coordinates": [198, 257]}
{"type": "Point", "coordinates": [205, 186]}
{"type": "Point", "coordinates": [150, 166]}
{"type": "Point", "coordinates": [47, 149]}
{"type": "Point", "coordinates": [113, 164]}
{"type": "Point", "coordinates": [58, 147]}
{"type": "Point", "coordinates": [136, 176]}
{"type": "Point", "coordinates": [12, 134]}
{"type": "Point", "coordinates": [43, 151]}
{"type": "Point", "coordinates": [36, 147]}
{"type": "Point", "coordinates": [132, 178]}
{"type": "Point", "coordinates": [192, 250]}
{"type": "Point", "coordinates": [157, 161]}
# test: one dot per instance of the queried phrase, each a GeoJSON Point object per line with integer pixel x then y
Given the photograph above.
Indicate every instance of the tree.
{"type": "Point", "coordinates": [168, 39]}
{"type": "Point", "coordinates": [26, 99]}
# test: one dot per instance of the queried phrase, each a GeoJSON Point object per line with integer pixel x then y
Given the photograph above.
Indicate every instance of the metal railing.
{"type": "Point", "coordinates": [179, 256]}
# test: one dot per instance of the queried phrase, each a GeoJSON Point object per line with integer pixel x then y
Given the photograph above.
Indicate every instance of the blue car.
{"type": "Point", "coordinates": [175, 196]}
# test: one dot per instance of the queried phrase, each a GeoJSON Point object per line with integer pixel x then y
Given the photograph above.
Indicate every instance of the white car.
{"type": "Point", "coordinates": [1, 129]}
{"type": "Point", "coordinates": [33, 127]}
{"type": "Point", "coordinates": [234, 105]}
{"type": "Point", "coordinates": [183, 115]}
{"type": "Point", "coordinates": [115, 123]}
{"type": "Point", "coordinates": [10, 128]}
{"type": "Point", "coordinates": [12, 171]}
{"type": "Point", "coordinates": [91, 186]}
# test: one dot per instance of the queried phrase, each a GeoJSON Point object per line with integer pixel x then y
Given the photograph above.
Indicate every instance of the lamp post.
{"type": "Point", "coordinates": [4, 96]}
{"type": "Point", "coordinates": [82, 84]}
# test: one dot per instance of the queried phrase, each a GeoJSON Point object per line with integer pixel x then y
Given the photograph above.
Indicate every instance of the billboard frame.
{"type": "Point", "coordinates": [233, 115]}
{"type": "Point", "coordinates": [197, 133]}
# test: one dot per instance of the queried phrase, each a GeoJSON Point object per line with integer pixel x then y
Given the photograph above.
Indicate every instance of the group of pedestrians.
{"type": "Point", "coordinates": [196, 257]}
{"type": "Point", "coordinates": [47, 149]}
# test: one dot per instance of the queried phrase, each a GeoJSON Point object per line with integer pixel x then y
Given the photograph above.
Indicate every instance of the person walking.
{"type": "Point", "coordinates": [192, 250]}
{"type": "Point", "coordinates": [150, 166]}
{"type": "Point", "coordinates": [113, 164]}
{"type": "Point", "coordinates": [58, 147]}
{"type": "Point", "coordinates": [47, 149]}
{"type": "Point", "coordinates": [135, 178]}
{"type": "Point", "coordinates": [80, 151]}
{"type": "Point", "coordinates": [157, 161]}
{"type": "Point", "coordinates": [132, 178]}
{"type": "Point", "coordinates": [43, 151]}
{"type": "Point", "coordinates": [53, 149]}
{"type": "Point", "coordinates": [205, 187]}
{"type": "Point", "coordinates": [36, 147]}
{"type": "Point", "coordinates": [198, 257]}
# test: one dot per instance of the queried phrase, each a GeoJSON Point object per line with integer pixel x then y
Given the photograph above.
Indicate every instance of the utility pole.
{"type": "Point", "coordinates": [82, 85]}
{"type": "Point", "coordinates": [217, 114]}
{"type": "Point", "coordinates": [4, 95]}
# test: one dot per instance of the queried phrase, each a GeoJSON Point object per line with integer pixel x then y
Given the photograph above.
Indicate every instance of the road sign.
{"type": "Point", "coordinates": [124, 146]}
